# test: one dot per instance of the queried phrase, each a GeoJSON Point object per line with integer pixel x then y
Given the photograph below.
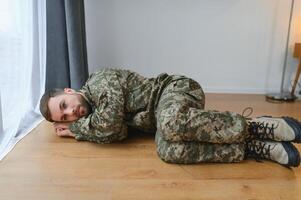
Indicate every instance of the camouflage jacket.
{"type": "Point", "coordinates": [119, 98]}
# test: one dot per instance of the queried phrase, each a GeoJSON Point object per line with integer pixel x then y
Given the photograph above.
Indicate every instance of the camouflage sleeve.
{"type": "Point", "coordinates": [105, 124]}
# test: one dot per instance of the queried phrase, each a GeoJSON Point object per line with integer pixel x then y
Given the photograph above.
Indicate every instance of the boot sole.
{"type": "Point", "coordinates": [296, 126]}
{"type": "Point", "coordinates": [293, 154]}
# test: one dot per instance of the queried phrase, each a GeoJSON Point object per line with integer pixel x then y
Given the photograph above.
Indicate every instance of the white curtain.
{"type": "Point", "coordinates": [22, 68]}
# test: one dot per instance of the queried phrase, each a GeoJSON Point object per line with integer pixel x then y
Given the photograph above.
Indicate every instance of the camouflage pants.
{"type": "Point", "coordinates": [186, 133]}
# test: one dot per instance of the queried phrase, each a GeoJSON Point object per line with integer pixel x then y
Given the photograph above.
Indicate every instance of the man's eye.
{"type": "Point", "coordinates": [64, 105]}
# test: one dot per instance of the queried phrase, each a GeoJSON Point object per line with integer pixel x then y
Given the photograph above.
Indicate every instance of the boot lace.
{"type": "Point", "coordinates": [247, 112]}
{"type": "Point", "coordinates": [259, 150]}
{"type": "Point", "coordinates": [262, 130]}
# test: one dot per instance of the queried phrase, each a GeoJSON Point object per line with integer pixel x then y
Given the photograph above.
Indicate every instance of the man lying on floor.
{"type": "Point", "coordinates": [171, 106]}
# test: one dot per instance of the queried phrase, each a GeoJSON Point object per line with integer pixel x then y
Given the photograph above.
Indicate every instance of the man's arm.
{"type": "Point", "coordinates": [106, 123]}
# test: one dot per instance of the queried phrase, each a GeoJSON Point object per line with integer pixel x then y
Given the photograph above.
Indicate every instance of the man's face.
{"type": "Point", "coordinates": [67, 107]}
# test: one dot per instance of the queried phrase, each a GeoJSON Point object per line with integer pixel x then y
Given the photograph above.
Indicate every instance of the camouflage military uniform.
{"type": "Point", "coordinates": [172, 106]}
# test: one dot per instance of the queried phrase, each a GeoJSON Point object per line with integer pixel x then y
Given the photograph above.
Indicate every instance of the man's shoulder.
{"type": "Point", "coordinates": [109, 72]}
{"type": "Point", "coordinates": [101, 74]}
{"type": "Point", "coordinates": [107, 77]}
{"type": "Point", "coordinates": [102, 71]}
{"type": "Point", "coordinates": [101, 83]}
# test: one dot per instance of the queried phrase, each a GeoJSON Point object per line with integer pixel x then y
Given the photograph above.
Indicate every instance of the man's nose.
{"type": "Point", "coordinates": [70, 111]}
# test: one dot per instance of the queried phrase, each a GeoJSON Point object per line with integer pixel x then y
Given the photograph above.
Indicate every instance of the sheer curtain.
{"type": "Point", "coordinates": [22, 68]}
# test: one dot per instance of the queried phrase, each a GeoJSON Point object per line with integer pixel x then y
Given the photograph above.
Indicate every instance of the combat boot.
{"type": "Point", "coordinates": [275, 128]}
{"type": "Point", "coordinates": [284, 153]}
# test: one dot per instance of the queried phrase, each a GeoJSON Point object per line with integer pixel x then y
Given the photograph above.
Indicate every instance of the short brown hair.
{"type": "Point", "coordinates": [44, 102]}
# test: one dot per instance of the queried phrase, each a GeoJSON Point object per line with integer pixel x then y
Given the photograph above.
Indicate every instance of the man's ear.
{"type": "Point", "coordinates": [69, 90]}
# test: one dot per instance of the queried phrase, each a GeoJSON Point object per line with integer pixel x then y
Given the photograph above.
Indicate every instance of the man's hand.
{"type": "Point", "coordinates": [62, 130]}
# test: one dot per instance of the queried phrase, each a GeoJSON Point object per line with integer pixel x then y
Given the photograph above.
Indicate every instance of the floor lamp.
{"type": "Point", "coordinates": [284, 96]}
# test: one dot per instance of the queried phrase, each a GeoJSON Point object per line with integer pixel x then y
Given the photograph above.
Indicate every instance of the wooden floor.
{"type": "Point", "coordinates": [44, 166]}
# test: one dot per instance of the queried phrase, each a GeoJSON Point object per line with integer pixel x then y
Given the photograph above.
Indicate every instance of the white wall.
{"type": "Point", "coordinates": [227, 46]}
